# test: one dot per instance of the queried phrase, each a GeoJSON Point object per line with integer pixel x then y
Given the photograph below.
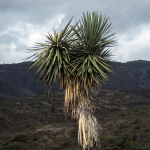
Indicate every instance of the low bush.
{"type": "Point", "coordinates": [136, 120]}
{"type": "Point", "coordinates": [65, 142]}
{"type": "Point", "coordinates": [20, 138]}
{"type": "Point", "coordinates": [73, 148]}
{"type": "Point", "coordinates": [137, 127]}
{"type": "Point", "coordinates": [122, 114]}
{"type": "Point", "coordinates": [146, 130]}
{"type": "Point", "coordinates": [55, 148]}
{"type": "Point", "coordinates": [15, 146]}
{"type": "Point", "coordinates": [108, 141]}
{"type": "Point", "coordinates": [131, 145]}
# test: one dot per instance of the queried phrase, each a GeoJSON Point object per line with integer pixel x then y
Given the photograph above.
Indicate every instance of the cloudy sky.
{"type": "Point", "coordinates": [22, 23]}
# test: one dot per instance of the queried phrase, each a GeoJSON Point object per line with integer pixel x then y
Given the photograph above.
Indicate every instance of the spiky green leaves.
{"type": "Point", "coordinates": [53, 56]}
{"type": "Point", "coordinates": [93, 56]}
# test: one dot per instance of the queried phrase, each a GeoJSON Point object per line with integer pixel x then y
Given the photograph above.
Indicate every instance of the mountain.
{"type": "Point", "coordinates": [131, 75]}
{"type": "Point", "coordinates": [16, 81]}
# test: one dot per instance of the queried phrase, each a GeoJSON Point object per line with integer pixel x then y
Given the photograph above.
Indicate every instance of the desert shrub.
{"type": "Point", "coordinates": [131, 145]}
{"type": "Point", "coordinates": [35, 139]}
{"type": "Point", "coordinates": [1, 142]}
{"type": "Point", "coordinates": [134, 136]}
{"type": "Point", "coordinates": [108, 141]}
{"type": "Point", "coordinates": [74, 131]}
{"type": "Point", "coordinates": [55, 148]}
{"type": "Point", "coordinates": [137, 127]}
{"type": "Point", "coordinates": [73, 148]}
{"type": "Point", "coordinates": [146, 130]}
{"type": "Point", "coordinates": [77, 149]}
{"type": "Point", "coordinates": [51, 137]}
{"type": "Point", "coordinates": [123, 138]}
{"type": "Point", "coordinates": [121, 125]}
{"type": "Point", "coordinates": [135, 110]}
{"type": "Point", "coordinates": [15, 146]}
{"type": "Point", "coordinates": [20, 138]}
{"type": "Point", "coordinates": [109, 126]}
{"type": "Point", "coordinates": [128, 144]}
{"type": "Point", "coordinates": [141, 138]}
{"type": "Point", "coordinates": [148, 134]}
{"type": "Point", "coordinates": [116, 131]}
{"type": "Point", "coordinates": [136, 120]}
{"type": "Point", "coordinates": [122, 114]}
{"type": "Point", "coordinates": [65, 142]}
{"type": "Point", "coordinates": [27, 126]}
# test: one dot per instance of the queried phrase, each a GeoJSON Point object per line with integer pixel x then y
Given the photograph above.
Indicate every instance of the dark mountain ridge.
{"type": "Point", "coordinates": [16, 81]}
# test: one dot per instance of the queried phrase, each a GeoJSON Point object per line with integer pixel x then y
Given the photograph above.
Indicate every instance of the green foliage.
{"type": "Point", "coordinates": [136, 120]}
{"type": "Point", "coordinates": [27, 126]}
{"type": "Point", "coordinates": [136, 110]}
{"type": "Point", "coordinates": [146, 130]}
{"type": "Point", "coordinates": [65, 142]}
{"type": "Point", "coordinates": [1, 142]}
{"type": "Point", "coordinates": [20, 138]}
{"type": "Point", "coordinates": [122, 114]}
{"type": "Point", "coordinates": [148, 135]}
{"type": "Point", "coordinates": [74, 131]}
{"type": "Point", "coordinates": [137, 127]}
{"type": "Point", "coordinates": [108, 141]}
{"type": "Point", "coordinates": [55, 148]}
{"type": "Point", "coordinates": [121, 125]}
{"type": "Point", "coordinates": [123, 138]}
{"type": "Point", "coordinates": [131, 145]}
{"type": "Point", "coordinates": [15, 146]}
{"type": "Point", "coordinates": [74, 148]}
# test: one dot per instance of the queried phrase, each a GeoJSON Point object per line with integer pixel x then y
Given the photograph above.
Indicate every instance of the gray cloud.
{"type": "Point", "coordinates": [22, 23]}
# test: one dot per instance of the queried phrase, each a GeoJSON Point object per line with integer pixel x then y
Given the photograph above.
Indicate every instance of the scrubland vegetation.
{"type": "Point", "coordinates": [28, 124]}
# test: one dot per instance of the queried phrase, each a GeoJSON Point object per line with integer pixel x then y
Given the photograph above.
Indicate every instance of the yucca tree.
{"type": "Point", "coordinates": [91, 65]}
{"type": "Point", "coordinates": [52, 58]}
{"type": "Point", "coordinates": [78, 58]}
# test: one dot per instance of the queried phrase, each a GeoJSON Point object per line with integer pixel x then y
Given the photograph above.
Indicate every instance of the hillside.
{"type": "Point", "coordinates": [15, 80]}
{"type": "Point", "coordinates": [27, 123]}
{"type": "Point", "coordinates": [131, 75]}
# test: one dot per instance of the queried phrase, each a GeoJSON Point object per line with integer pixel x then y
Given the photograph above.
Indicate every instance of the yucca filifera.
{"type": "Point", "coordinates": [78, 58]}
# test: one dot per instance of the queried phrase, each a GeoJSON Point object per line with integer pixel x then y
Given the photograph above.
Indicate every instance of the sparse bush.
{"type": "Point", "coordinates": [74, 131]}
{"type": "Point", "coordinates": [121, 140]}
{"type": "Point", "coordinates": [20, 138]}
{"type": "Point", "coordinates": [109, 126]}
{"type": "Point", "coordinates": [73, 148]}
{"type": "Point", "coordinates": [55, 148]}
{"type": "Point", "coordinates": [146, 130]}
{"type": "Point", "coordinates": [65, 142]}
{"type": "Point", "coordinates": [35, 139]}
{"type": "Point", "coordinates": [108, 141]}
{"type": "Point", "coordinates": [41, 119]}
{"type": "Point", "coordinates": [136, 120]}
{"type": "Point", "coordinates": [116, 131]}
{"type": "Point", "coordinates": [15, 146]}
{"type": "Point", "coordinates": [148, 135]}
{"type": "Point", "coordinates": [132, 145]}
{"type": "Point", "coordinates": [1, 142]}
{"type": "Point", "coordinates": [137, 127]}
{"type": "Point", "coordinates": [121, 125]}
{"type": "Point", "coordinates": [27, 126]}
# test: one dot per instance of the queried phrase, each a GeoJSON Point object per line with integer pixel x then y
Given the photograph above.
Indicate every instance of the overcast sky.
{"type": "Point", "coordinates": [24, 22]}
